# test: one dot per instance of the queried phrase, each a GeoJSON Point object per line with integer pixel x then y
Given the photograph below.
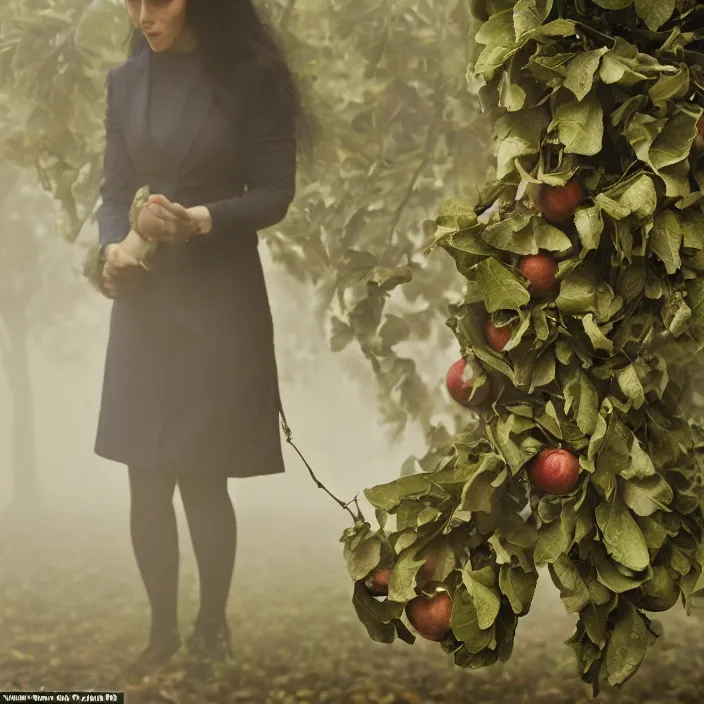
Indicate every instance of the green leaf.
{"type": "Point", "coordinates": [630, 384]}
{"type": "Point", "coordinates": [402, 583]}
{"type": "Point", "coordinates": [388, 496]}
{"type": "Point", "coordinates": [640, 465]}
{"type": "Point", "coordinates": [590, 224]}
{"type": "Point", "coordinates": [465, 622]}
{"type": "Point", "coordinates": [670, 87]}
{"type": "Point", "coordinates": [640, 198]}
{"type": "Point", "coordinates": [598, 339]}
{"type": "Point", "coordinates": [623, 538]}
{"type": "Point", "coordinates": [654, 532]}
{"type": "Point", "coordinates": [543, 371]}
{"type": "Point", "coordinates": [362, 560]}
{"type": "Point", "coordinates": [578, 292]}
{"type": "Point", "coordinates": [580, 126]}
{"type": "Point", "coordinates": [376, 616]}
{"type": "Point", "coordinates": [578, 586]}
{"type": "Point", "coordinates": [581, 70]}
{"type": "Point", "coordinates": [517, 135]}
{"type": "Point", "coordinates": [498, 30]}
{"type": "Point", "coordinates": [609, 574]}
{"type": "Point", "coordinates": [511, 95]}
{"type": "Point", "coordinates": [627, 646]}
{"type": "Point", "coordinates": [553, 541]}
{"type": "Point", "coordinates": [631, 280]}
{"type": "Point", "coordinates": [596, 622]}
{"type": "Point", "coordinates": [582, 396]}
{"type": "Point", "coordinates": [481, 587]}
{"type": "Point", "coordinates": [518, 586]}
{"type": "Point", "coordinates": [529, 15]}
{"type": "Point", "coordinates": [501, 287]}
{"type": "Point", "coordinates": [654, 12]}
{"type": "Point", "coordinates": [646, 496]}
{"type": "Point", "coordinates": [666, 240]}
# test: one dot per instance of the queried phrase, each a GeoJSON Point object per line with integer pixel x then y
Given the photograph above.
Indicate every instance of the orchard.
{"type": "Point", "coordinates": [574, 339]}
{"type": "Point", "coordinates": [583, 262]}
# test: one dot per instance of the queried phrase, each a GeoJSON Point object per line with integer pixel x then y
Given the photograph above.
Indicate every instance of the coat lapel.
{"type": "Point", "coordinates": [187, 122]}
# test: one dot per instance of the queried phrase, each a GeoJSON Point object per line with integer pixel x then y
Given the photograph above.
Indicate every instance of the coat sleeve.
{"type": "Point", "coordinates": [119, 183]}
{"type": "Point", "coordinates": [271, 165]}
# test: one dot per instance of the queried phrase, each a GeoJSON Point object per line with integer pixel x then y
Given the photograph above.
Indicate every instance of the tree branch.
{"type": "Point", "coordinates": [346, 506]}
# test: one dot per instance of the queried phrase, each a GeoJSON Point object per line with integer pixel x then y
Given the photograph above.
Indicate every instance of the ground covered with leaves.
{"type": "Point", "coordinates": [72, 614]}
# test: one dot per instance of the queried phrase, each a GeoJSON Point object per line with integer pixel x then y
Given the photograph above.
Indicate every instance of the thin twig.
{"type": "Point", "coordinates": [289, 439]}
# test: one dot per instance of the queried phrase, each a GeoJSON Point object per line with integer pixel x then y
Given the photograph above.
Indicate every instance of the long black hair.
{"type": "Point", "coordinates": [230, 33]}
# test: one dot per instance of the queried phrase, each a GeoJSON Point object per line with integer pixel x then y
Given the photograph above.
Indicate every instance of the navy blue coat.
{"type": "Point", "coordinates": [191, 382]}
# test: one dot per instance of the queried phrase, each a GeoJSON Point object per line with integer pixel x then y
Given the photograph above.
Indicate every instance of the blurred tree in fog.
{"type": "Point", "coordinates": [38, 290]}
{"type": "Point", "coordinates": [386, 83]}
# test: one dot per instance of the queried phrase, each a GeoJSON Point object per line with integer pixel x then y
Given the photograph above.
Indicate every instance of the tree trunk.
{"type": "Point", "coordinates": [24, 464]}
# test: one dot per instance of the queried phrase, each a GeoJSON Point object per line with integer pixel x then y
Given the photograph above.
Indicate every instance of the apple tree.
{"type": "Point", "coordinates": [579, 335]}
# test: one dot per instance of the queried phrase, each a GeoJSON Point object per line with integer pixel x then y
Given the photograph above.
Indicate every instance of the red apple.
{"type": "Point", "coordinates": [558, 203]}
{"type": "Point", "coordinates": [497, 338]}
{"type": "Point", "coordinates": [699, 139]}
{"type": "Point", "coordinates": [427, 570]}
{"type": "Point", "coordinates": [431, 616]}
{"type": "Point", "coordinates": [460, 388]}
{"type": "Point", "coordinates": [380, 582]}
{"type": "Point", "coordinates": [555, 471]}
{"type": "Point", "coordinates": [541, 272]}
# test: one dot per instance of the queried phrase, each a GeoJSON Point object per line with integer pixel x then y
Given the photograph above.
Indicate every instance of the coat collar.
{"type": "Point", "coordinates": [186, 123]}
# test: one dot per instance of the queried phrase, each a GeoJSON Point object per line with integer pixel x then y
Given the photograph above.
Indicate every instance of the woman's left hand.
{"type": "Point", "coordinates": [164, 221]}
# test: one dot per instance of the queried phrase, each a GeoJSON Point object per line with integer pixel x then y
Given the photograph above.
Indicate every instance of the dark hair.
{"type": "Point", "coordinates": [231, 33]}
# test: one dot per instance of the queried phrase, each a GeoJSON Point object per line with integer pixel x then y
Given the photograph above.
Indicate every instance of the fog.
{"type": "Point", "coordinates": [332, 415]}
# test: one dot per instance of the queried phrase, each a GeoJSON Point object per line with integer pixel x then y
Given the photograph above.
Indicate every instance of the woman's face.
{"type": "Point", "coordinates": [163, 23]}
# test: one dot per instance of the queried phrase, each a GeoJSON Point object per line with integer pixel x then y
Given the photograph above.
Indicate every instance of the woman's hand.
{"type": "Point", "coordinates": [121, 271]}
{"type": "Point", "coordinates": [164, 221]}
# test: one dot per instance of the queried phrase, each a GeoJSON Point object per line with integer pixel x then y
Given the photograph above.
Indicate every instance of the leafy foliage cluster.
{"type": "Point", "coordinates": [608, 92]}
{"type": "Point", "coordinates": [388, 90]}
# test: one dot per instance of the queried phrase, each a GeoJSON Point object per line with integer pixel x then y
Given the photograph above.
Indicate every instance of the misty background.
{"type": "Point", "coordinates": [404, 133]}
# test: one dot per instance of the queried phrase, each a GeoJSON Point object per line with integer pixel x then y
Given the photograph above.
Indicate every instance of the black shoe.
{"type": "Point", "coordinates": [158, 653]}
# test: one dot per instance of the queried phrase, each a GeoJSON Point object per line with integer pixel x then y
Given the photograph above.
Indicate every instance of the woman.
{"type": "Point", "coordinates": [204, 108]}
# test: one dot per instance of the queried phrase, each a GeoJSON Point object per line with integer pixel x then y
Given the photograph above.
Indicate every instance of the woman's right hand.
{"type": "Point", "coordinates": [121, 271]}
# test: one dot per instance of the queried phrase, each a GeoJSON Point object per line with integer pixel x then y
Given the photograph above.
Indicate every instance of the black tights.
{"type": "Point", "coordinates": [211, 523]}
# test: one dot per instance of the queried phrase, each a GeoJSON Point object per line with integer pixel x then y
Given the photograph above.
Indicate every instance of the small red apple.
{"type": "Point", "coordinates": [555, 471]}
{"type": "Point", "coordinates": [541, 272]}
{"type": "Point", "coordinates": [460, 388]}
{"type": "Point", "coordinates": [380, 582]}
{"type": "Point", "coordinates": [431, 616]}
{"type": "Point", "coordinates": [558, 203]}
{"type": "Point", "coordinates": [699, 139]}
{"type": "Point", "coordinates": [497, 338]}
